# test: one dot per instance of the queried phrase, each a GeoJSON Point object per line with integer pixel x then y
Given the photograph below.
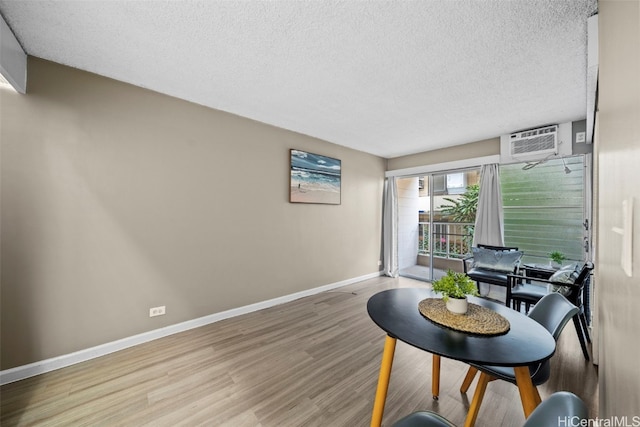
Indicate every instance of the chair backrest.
{"type": "Point", "coordinates": [560, 406]}
{"type": "Point", "coordinates": [586, 270]}
{"type": "Point", "coordinates": [553, 311]}
{"type": "Point", "coordinates": [498, 248]}
{"type": "Point", "coordinates": [560, 409]}
{"type": "Point", "coordinates": [576, 291]}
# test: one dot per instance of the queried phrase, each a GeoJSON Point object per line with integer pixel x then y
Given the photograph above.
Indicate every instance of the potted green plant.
{"type": "Point", "coordinates": [454, 288]}
{"type": "Point", "coordinates": [556, 258]}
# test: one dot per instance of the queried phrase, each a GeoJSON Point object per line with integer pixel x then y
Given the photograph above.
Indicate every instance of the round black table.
{"type": "Point", "coordinates": [396, 312]}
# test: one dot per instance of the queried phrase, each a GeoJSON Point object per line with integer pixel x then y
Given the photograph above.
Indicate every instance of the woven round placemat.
{"type": "Point", "coordinates": [477, 320]}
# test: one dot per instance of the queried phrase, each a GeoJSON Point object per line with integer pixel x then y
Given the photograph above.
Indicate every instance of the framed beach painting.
{"type": "Point", "coordinates": [314, 178]}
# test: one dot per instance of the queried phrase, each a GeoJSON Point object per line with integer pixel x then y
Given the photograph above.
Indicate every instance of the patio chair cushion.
{"type": "Point", "coordinates": [567, 274]}
{"type": "Point", "coordinates": [489, 259]}
{"type": "Point", "coordinates": [488, 276]}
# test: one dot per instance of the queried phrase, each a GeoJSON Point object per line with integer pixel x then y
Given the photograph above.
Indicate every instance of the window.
{"type": "Point", "coordinates": [544, 208]}
{"type": "Point", "coordinates": [439, 184]}
{"type": "Point", "coordinates": [456, 183]}
{"type": "Point", "coordinates": [443, 184]}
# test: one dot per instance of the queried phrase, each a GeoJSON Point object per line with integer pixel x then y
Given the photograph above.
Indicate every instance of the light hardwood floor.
{"type": "Point", "coordinates": [311, 362]}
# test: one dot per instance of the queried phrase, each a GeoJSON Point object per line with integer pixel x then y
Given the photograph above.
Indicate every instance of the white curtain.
{"type": "Point", "coordinates": [489, 229]}
{"type": "Point", "coordinates": [390, 228]}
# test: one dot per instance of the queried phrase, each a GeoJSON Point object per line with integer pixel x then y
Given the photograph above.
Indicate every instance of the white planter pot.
{"type": "Point", "coordinates": [457, 305]}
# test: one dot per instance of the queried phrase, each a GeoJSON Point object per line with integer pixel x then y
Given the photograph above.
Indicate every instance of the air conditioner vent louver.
{"type": "Point", "coordinates": [543, 142]}
{"type": "Point", "coordinates": [534, 142]}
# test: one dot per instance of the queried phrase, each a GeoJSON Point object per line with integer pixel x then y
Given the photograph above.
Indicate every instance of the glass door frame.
{"type": "Point", "coordinates": [443, 167]}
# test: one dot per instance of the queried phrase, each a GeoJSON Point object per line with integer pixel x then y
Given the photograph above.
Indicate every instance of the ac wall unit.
{"type": "Point", "coordinates": [534, 143]}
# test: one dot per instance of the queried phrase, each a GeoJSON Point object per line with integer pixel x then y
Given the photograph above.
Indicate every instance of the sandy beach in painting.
{"type": "Point", "coordinates": [311, 193]}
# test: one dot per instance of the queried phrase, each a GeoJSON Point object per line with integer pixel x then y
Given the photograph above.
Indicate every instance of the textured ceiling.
{"type": "Point", "coordinates": [385, 77]}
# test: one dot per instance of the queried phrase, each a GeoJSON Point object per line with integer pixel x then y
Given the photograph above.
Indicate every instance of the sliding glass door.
{"type": "Point", "coordinates": [436, 213]}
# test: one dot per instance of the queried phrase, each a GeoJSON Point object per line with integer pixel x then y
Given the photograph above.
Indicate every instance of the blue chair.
{"type": "Point", "coordinates": [561, 405]}
{"type": "Point", "coordinates": [553, 311]}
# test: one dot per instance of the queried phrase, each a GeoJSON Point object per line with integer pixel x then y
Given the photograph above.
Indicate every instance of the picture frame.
{"type": "Point", "coordinates": [314, 178]}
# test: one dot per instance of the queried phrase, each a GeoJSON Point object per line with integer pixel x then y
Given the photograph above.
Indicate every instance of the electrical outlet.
{"type": "Point", "coordinates": [157, 311]}
{"type": "Point", "coordinates": [379, 263]}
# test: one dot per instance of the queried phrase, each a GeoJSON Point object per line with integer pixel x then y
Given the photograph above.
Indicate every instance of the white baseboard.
{"type": "Point", "coordinates": [21, 372]}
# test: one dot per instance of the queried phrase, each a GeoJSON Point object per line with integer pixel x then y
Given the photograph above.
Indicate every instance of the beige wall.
{"type": "Point", "coordinates": [618, 153]}
{"type": "Point", "coordinates": [487, 147]}
{"type": "Point", "coordinates": [116, 199]}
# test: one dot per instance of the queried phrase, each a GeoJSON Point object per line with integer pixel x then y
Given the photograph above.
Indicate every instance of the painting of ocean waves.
{"type": "Point", "coordinates": [314, 178]}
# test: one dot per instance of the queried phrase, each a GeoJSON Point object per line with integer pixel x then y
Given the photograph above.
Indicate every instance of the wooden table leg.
{"type": "Point", "coordinates": [435, 376]}
{"type": "Point", "coordinates": [383, 381]}
{"type": "Point", "coordinates": [528, 392]}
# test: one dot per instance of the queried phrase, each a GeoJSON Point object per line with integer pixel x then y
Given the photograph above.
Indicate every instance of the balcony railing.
{"type": "Point", "coordinates": [450, 239]}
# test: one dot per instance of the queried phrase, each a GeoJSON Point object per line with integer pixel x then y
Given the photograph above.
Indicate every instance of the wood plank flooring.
{"type": "Point", "coordinates": [310, 362]}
